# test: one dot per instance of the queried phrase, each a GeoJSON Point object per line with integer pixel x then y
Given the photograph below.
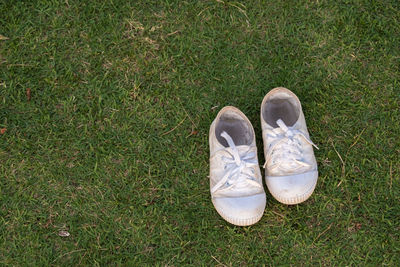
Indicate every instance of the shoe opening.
{"type": "Point", "coordinates": [285, 109]}
{"type": "Point", "coordinates": [237, 127]}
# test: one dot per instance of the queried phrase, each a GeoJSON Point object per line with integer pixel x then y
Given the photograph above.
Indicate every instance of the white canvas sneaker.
{"type": "Point", "coordinates": [235, 178]}
{"type": "Point", "coordinates": [290, 167]}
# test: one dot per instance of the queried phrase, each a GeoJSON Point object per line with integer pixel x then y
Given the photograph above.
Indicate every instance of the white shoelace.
{"type": "Point", "coordinates": [285, 151]}
{"type": "Point", "coordinates": [239, 167]}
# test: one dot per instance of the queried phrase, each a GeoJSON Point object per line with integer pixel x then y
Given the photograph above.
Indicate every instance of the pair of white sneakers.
{"type": "Point", "coordinates": [291, 171]}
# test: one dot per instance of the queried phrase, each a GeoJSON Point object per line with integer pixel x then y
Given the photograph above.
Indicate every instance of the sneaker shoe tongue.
{"type": "Point", "coordinates": [282, 125]}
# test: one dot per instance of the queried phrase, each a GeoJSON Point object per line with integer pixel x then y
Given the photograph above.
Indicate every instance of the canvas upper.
{"type": "Point", "coordinates": [235, 178]}
{"type": "Point", "coordinates": [290, 166]}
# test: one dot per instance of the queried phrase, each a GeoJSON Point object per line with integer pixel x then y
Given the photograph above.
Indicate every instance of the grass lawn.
{"type": "Point", "coordinates": [105, 108]}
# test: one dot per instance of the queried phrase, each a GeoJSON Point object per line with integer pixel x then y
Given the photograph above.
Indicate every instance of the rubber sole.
{"type": "Point", "coordinates": [239, 221]}
{"type": "Point", "coordinates": [294, 200]}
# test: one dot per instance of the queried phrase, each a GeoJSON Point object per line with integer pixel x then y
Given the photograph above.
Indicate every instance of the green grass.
{"type": "Point", "coordinates": [112, 145]}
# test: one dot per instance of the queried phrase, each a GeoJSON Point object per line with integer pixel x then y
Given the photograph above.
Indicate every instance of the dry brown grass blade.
{"type": "Point", "coordinates": [175, 126]}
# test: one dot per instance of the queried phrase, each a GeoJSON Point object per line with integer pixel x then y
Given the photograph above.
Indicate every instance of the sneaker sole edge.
{"type": "Point", "coordinates": [296, 199]}
{"type": "Point", "coordinates": [239, 221]}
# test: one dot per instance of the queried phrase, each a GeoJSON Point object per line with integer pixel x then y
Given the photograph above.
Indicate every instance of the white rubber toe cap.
{"type": "Point", "coordinates": [241, 211]}
{"type": "Point", "coordinates": [292, 189]}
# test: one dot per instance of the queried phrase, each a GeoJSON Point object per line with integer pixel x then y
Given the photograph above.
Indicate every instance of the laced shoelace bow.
{"type": "Point", "coordinates": [290, 153]}
{"type": "Point", "coordinates": [239, 167]}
